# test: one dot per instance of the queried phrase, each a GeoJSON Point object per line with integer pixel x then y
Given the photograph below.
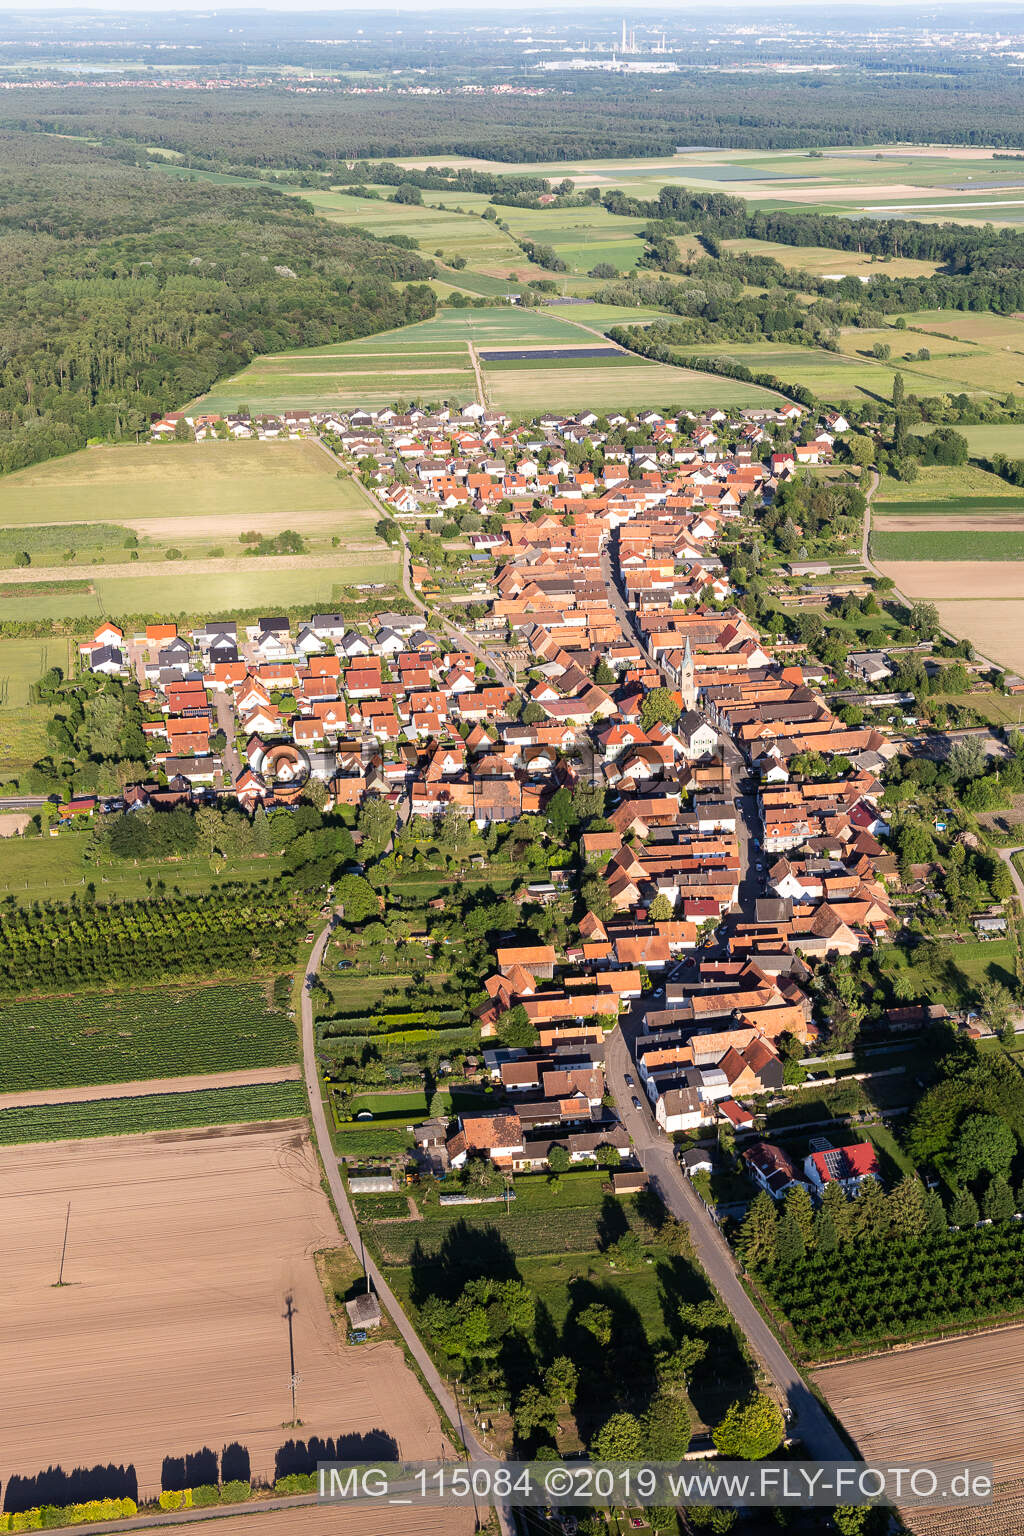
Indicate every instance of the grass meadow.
{"type": "Point", "coordinates": [948, 488]}
{"type": "Point", "coordinates": [38, 868]}
{"type": "Point", "coordinates": [23, 724]}
{"type": "Point", "coordinates": [195, 499]}
{"type": "Point", "coordinates": [823, 262]}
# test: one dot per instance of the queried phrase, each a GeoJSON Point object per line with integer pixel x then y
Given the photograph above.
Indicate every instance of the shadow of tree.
{"type": "Point", "coordinates": [619, 1374]}
{"type": "Point", "coordinates": [195, 1470]}
{"type": "Point", "coordinates": [55, 1486]}
{"type": "Point", "coordinates": [692, 1310]}
{"type": "Point", "coordinates": [372, 1445]}
{"type": "Point", "coordinates": [468, 1251]}
{"type": "Point", "coordinates": [235, 1465]}
{"type": "Point", "coordinates": [612, 1223]}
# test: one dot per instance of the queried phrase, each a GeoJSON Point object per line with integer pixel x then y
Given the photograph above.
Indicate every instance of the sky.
{"type": "Point", "coordinates": [385, 7]}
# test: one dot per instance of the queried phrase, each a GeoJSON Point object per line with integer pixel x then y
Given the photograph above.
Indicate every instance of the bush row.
{"type": "Point", "coordinates": [51, 1516]}
{"type": "Point", "coordinates": [205, 1495]}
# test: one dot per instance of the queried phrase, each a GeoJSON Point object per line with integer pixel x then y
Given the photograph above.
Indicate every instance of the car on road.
{"type": "Point", "coordinates": [636, 1102]}
{"type": "Point", "coordinates": [628, 1080]}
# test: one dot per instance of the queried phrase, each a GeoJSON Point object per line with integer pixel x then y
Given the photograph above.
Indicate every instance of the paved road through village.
{"type": "Point", "coordinates": [808, 1420]}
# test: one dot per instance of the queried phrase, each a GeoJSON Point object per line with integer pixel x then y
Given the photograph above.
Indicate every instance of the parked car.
{"type": "Point", "coordinates": [629, 1081]}
{"type": "Point", "coordinates": [636, 1102]}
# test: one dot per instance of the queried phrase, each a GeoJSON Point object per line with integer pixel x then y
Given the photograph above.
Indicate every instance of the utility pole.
{"type": "Point", "coordinates": [64, 1246]}
{"type": "Point", "coordinates": [294, 1377]}
{"type": "Point", "coordinates": [465, 1446]}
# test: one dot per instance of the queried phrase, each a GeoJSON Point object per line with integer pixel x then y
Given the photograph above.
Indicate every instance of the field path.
{"type": "Point", "coordinates": [481, 393]}
{"type": "Point", "coordinates": [346, 1216]}
{"type": "Point", "coordinates": [244, 1078]}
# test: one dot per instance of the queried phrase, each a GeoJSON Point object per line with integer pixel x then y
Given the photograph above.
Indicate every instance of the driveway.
{"type": "Point", "coordinates": [225, 712]}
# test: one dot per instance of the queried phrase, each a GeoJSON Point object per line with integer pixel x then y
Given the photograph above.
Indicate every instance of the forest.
{"type": "Point", "coordinates": [574, 118]}
{"type": "Point", "coordinates": [124, 293]}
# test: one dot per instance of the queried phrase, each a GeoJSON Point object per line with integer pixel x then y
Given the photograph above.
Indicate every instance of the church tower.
{"type": "Point", "coordinates": [687, 687]}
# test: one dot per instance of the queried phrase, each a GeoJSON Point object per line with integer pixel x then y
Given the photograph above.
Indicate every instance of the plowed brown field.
{"type": "Point", "coordinates": [170, 1336]}
{"type": "Point", "coordinates": [956, 1399]}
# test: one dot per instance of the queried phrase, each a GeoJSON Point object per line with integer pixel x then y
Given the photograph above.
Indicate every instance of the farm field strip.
{"type": "Point", "coordinates": [245, 1077]}
{"type": "Point", "coordinates": [157, 1347]}
{"type": "Point", "coordinates": [170, 592]}
{"type": "Point", "coordinates": [134, 1115]}
{"type": "Point", "coordinates": [639, 384]}
{"type": "Point", "coordinates": [123, 483]}
{"type": "Point", "coordinates": [969, 544]}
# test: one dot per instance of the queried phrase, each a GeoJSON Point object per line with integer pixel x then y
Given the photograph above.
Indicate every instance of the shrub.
{"type": "Point", "coordinates": [204, 1495]}
{"type": "Point", "coordinates": [170, 1499]}
{"type": "Point", "coordinates": [296, 1482]}
{"type": "Point", "coordinates": [235, 1492]}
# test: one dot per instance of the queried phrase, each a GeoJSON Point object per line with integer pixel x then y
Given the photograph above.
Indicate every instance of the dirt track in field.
{"type": "Point", "coordinates": [170, 1334]}
{"type": "Point", "coordinates": [996, 522]}
{"type": "Point", "coordinates": [330, 1520]}
{"type": "Point", "coordinates": [958, 1399]}
{"type": "Point", "coordinates": [137, 1090]}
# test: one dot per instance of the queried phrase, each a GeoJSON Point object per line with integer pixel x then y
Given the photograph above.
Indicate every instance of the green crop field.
{"type": "Point", "coordinates": [432, 361]}
{"type": "Point", "coordinates": [985, 440]}
{"type": "Point", "coordinates": [581, 237]}
{"type": "Point", "coordinates": [153, 1112]}
{"type": "Point", "coordinates": [131, 485]}
{"type": "Point", "coordinates": [127, 1035]}
{"type": "Point", "coordinates": [629, 386]}
{"type": "Point", "coordinates": [197, 498]}
{"type": "Point", "coordinates": [921, 183]}
{"type": "Point", "coordinates": [965, 544]}
{"type": "Point", "coordinates": [829, 374]}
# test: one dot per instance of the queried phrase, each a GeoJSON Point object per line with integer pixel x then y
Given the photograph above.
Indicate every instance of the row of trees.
{"type": "Point", "coordinates": [885, 1290]}
{"type": "Point", "coordinates": [230, 932]}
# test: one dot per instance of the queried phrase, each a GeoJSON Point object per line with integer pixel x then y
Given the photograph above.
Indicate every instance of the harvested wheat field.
{"type": "Point", "coordinates": [978, 600]}
{"type": "Point", "coordinates": [957, 1399]}
{"type": "Point", "coordinates": [940, 580]}
{"type": "Point", "coordinates": [995, 628]}
{"type": "Point", "coordinates": [170, 1335]}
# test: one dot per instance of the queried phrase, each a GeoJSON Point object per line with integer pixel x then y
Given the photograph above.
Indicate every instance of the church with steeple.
{"type": "Point", "coordinates": [685, 684]}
